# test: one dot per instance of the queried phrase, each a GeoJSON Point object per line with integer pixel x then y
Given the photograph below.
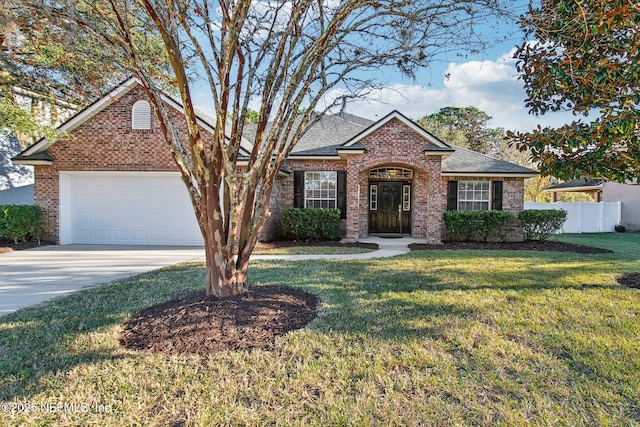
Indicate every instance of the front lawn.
{"type": "Point", "coordinates": [432, 338]}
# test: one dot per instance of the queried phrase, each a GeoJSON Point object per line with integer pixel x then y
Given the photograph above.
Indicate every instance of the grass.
{"type": "Point", "coordinates": [440, 338]}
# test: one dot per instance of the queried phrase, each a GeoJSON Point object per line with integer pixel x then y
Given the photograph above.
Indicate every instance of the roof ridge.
{"type": "Point", "coordinates": [457, 147]}
{"type": "Point", "coordinates": [343, 114]}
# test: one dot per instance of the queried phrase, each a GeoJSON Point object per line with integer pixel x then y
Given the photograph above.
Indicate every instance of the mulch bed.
{"type": "Point", "coordinates": [631, 280]}
{"type": "Point", "coordinates": [195, 324]}
{"type": "Point", "coordinates": [545, 246]}
{"type": "Point", "coordinates": [294, 243]}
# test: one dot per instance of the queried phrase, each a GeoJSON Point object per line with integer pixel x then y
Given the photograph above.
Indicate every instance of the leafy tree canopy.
{"type": "Point", "coordinates": [585, 59]}
{"type": "Point", "coordinates": [465, 127]}
{"type": "Point", "coordinates": [50, 68]}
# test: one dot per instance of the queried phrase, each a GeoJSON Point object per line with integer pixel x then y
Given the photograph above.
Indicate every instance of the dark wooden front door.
{"type": "Point", "coordinates": [389, 211]}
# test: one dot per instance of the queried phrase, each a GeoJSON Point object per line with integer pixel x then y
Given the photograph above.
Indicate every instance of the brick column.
{"type": "Point", "coordinates": [353, 203]}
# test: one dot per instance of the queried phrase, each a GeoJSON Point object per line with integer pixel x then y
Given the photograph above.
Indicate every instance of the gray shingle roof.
{"type": "Point", "coordinates": [576, 183]}
{"type": "Point", "coordinates": [331, 150]}
{"type": "Point", "coordinates": [434, 147]}
{"type": "Point", "coordinates": [329, 134]}
{"type": "Point", "coordinates": [332, 130]}
{"type": "Point", "coordinates": [467, 161]}
{"type": "Point", "coordinates": [327, 131]}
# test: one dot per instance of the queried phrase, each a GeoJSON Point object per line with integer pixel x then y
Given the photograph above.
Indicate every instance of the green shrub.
{"type": "Point", "coordinates": [311, 224]}
{"type": "Point", "coordinates": [476, 225]}
{"type": "Point", "coordinates": [542, 223]}
{"type": "Point", "coordinates": [20, 222]}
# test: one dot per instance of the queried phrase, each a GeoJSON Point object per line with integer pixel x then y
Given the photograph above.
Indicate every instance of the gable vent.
{"type": "Point", "coordinates": [141, 115]}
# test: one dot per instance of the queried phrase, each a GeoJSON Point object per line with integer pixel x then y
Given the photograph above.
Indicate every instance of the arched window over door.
{"type": "Point", "coordinates": [391, 174]}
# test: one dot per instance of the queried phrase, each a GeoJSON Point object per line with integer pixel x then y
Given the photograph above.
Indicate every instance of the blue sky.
{"type": "Point", "coordinates": [487, 80]}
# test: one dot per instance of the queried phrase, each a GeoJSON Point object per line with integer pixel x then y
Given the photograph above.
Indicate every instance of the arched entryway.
{"type": "Point", "coordinates": [390, 194]}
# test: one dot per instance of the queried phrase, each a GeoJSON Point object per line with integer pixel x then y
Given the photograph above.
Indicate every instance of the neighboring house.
{"type": "Point", "coordinates": [603, 191]}
{"type": "Point", "coordinates": [16, 181]}
{"type": "Point", "coordinates": [111, 179]}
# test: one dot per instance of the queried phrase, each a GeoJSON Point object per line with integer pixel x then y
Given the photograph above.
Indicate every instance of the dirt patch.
{"type": "Point", "coordinates": [195, 324]}
{"type": "Point", "coordinates": [8, 246]}
{"type": "Point", "coordinates": [631, 280]}
{"type": "Point", "coordinates": [546, 246]}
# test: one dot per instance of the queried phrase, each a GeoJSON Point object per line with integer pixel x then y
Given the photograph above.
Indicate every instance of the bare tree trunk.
{"type": "Point", "coordinates": [224, 279]}
{"type": "Point", "coordinates": [226, 275]}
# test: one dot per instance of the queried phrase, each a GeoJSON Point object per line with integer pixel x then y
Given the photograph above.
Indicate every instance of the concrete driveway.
{"type": "Point", "coordinates": [36, 275]}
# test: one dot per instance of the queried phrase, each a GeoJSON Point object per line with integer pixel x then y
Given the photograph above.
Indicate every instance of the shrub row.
{"type": "Point", "coordinates": [20, 223]}
{"type": "Point", "coordinates": [481, 225]}
{"type": "Point", "coordinates": [540, 224]}
{"type": "Point", "coordinates": [466, 226]}
{"type": "Point", "coordinates": [311, 224]}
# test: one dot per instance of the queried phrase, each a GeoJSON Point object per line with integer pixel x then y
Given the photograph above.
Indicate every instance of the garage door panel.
{"type": "Point", "coordinates": [141, 209]}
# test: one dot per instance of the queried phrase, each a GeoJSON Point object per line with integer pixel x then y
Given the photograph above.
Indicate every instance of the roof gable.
{"type": "Point", "coordinates": [100, 105]}
{"type": "Point", "coordinates": [82, 116]}
{"type": "Point", "coordinates": [433, 143]}
{"type": "Point", "coordinates": [459, 161]}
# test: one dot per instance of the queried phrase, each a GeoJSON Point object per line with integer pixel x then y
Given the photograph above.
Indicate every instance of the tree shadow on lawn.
{"type": "Point", "coordinates": [417, 272]}
{"type": "Point", "coordinates": [62, 333]}
{"type": "Point", "coordinates": [43, 344]}
{"type": "Point", "coordinates": [360, 298]}
{"type": "Point", "coordinates": [382, 297]}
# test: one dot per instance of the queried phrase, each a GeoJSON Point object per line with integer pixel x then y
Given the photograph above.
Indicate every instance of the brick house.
{"type": "Point", "coordinates": [111, 178]}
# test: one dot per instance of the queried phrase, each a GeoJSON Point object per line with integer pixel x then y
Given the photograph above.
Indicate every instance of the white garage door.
{"type": "Point", "coordinates": [127, 209]}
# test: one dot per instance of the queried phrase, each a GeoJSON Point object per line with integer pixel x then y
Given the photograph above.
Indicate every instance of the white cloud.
{"type": "Point", "coordinates": [412, 101]}
{"type": "Point", "coordinates": [491, 86]}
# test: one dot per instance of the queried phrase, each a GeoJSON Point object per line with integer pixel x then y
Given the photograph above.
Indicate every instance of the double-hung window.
{"type": "Point", "coordinates": [473, 195]}
{"type": "Point", "coordinates": [320, 189]}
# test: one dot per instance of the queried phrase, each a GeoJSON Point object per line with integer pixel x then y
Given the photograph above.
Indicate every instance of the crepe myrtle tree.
{"type": "Point", "coordinates": [583, 56]}
{"type": "Point", "coordinates": [286, 55]}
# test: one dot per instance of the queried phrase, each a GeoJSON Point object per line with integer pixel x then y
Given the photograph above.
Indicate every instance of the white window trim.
{"type": "Point", "coordinates": [406, 198]}
{"type": "Point", "coordinates": [333, 199]}
{"type": "Point", "coordinates": [390, 173]}
{"type": "Point", "coordinates": [473, 200]}
{"type": "Point", "coordinates": [373, 197]}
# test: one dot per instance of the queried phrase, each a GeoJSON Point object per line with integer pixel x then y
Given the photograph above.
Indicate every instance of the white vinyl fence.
{"type": "Point", "coordinates": [584, 217]}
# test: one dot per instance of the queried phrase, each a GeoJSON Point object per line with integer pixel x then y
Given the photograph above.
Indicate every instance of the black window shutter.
{"type": "Point", "coordinates": [452, 196]}
{"type": "Point", "coordinates": [298, 189]}
{"type": "Point", "coordinates": [342, 193]}
{"type": "Point", "coordinates": [496, 198]}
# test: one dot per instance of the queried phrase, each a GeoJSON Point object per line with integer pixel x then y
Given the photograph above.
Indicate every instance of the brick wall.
{"type": "Point", "coordinates": [282, 194]}
{"type": "Point", "coordinates": [106, 142]}
{"type": "Point", "coordinates": [396, 144]}
{"type": "Point", "coordinates": [393, 144]}
{"type": "Point", "coordinates": [512, 199]}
